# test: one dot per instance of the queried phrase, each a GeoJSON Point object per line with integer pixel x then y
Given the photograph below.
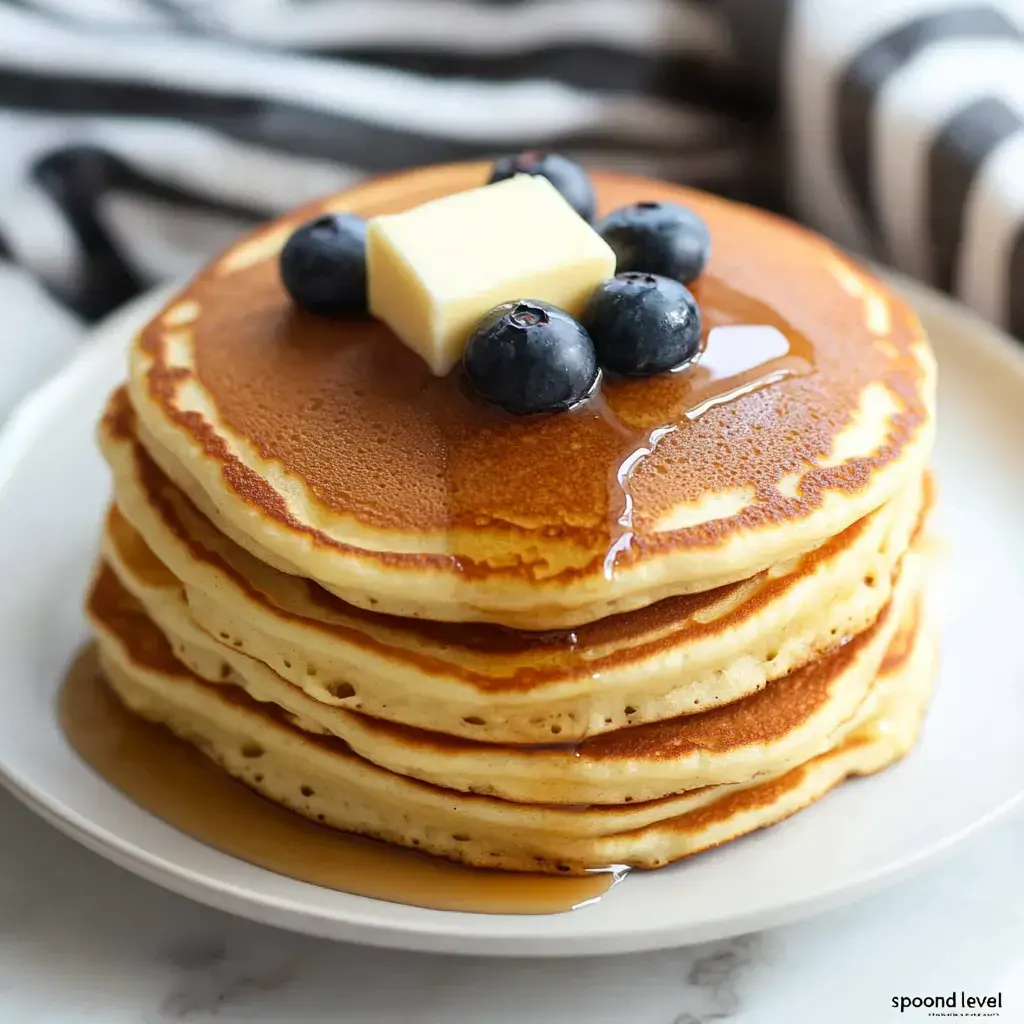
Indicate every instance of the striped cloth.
{"type": "Point", "coordinates": [137, 137]}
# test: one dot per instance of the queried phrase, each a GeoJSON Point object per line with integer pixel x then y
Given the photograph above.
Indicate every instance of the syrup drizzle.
{"type": "Point", "coordinates": [624, 541]}
{"type": "Point", "coordinates": [731, 354]}
{"type": "Point", "coordinates": [736, 360]}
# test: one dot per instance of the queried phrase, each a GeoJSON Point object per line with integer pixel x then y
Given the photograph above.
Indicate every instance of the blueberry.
{"type": "Point", "coordinates": [643, 324]}
{"type": "Point", "coordinates": [658, 238]}
{"type": "Point", "coordinates": [529, 356]}
{"type": "Point", "coordinates": [567, 176]}
{"type": "Point", "coordinates": [323, 265]}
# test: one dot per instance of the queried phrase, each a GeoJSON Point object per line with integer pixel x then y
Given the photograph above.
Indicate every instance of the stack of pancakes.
{"type": "Point", "coordinates": [618, 635]}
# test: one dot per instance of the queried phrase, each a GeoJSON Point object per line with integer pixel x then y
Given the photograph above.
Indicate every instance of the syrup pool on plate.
{"type": "Point", "coordinates": [166, 777]}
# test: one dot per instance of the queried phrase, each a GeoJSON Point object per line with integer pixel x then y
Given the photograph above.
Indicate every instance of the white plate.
{"type": "Point", "coordinates": [967, 771]}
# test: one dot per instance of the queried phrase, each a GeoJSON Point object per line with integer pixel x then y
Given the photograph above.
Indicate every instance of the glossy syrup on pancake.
{"type": "Point", "coordinates": [173, 781]}
{"type": "Point", "coordinates": [374, 436]}
{"type": "Point", "coordinates": [746, 346]}
{"type": "Point", "coordinates": [603, 442]}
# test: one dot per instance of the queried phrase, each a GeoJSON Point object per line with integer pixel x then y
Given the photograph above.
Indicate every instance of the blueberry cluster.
{"type": "Point", "coordinates": [529, 356]}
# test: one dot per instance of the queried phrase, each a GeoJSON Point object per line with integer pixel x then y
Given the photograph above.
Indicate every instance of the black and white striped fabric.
{"type": "Point", "coordinates": [137, 137]}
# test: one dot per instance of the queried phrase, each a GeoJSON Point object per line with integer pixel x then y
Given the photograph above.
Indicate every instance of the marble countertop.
{"type": "Point", "coordinates": [83, 942]}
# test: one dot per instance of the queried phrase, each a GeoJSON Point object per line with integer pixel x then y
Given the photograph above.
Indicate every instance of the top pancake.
{"type": "Point", "coordinates": [329, 450]}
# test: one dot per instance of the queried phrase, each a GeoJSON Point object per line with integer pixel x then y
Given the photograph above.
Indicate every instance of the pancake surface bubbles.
{"type": "Point", "coordinates": [328, 450]}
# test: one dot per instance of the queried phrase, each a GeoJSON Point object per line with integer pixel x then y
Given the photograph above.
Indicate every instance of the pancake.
{"type": "Point", "coordinates": [328, 450]}
{"type": "Point", "coordinates": [485, 682]}
{"type": "Point", "coordinates": [793, 719]}
{"type": "Point", "coordinates": [322, 778]}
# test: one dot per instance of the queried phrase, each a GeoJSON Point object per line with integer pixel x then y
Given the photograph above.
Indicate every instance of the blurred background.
{"type": "Point", "coordinates": [138, 137]}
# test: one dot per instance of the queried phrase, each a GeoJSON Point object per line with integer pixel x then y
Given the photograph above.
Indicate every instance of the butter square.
{"type": "Point", "coordinates": [434, 270]}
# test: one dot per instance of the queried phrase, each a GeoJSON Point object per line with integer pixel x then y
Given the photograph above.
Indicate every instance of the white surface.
{"type": "Point", "coordinates": [83, 942]}
{"type": "Point", "coordinates": [873, 831]}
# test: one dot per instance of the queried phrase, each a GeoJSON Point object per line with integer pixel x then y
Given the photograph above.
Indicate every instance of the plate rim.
{"type": "Point", "coordinates": [441, 931]}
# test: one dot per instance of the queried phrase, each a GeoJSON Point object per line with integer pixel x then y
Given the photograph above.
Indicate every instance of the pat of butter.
{"type": "Point", "coordinates": [433, 271]}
